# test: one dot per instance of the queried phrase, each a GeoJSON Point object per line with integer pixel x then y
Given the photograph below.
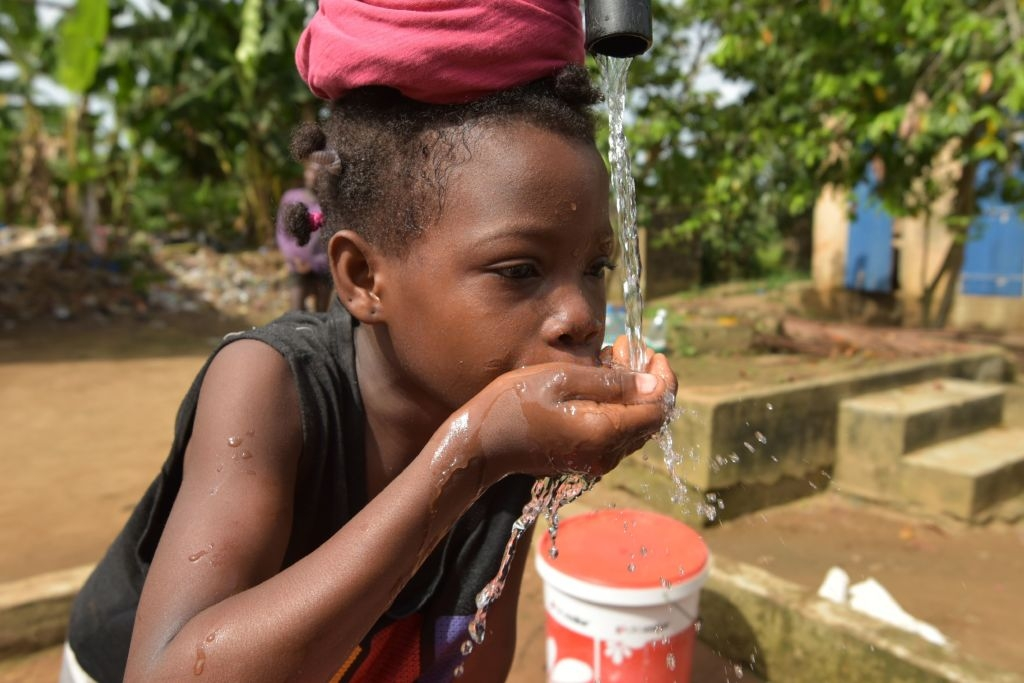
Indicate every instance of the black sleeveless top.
{"type": "Point", "coordinates": [419, 636]}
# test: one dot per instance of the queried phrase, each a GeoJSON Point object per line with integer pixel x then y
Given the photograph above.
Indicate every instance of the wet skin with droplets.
{"type": "Point", "coordinates": [509, 275]}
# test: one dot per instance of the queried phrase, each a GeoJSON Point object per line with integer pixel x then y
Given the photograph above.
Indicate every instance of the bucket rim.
{"type": "Point", "coordinates": [622, 597]}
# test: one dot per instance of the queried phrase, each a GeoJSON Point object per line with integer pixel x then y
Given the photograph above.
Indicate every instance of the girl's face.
{"type": "Point", "coordinates": [512, 273]}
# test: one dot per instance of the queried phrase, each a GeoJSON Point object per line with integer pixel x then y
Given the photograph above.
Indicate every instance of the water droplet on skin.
{"type": "Point", "coordinates": [246, 454]}
{"type": "Point", "coordinates": [195, 557]}
{"type": "Point", "coordinates": [572, 206]}
{"type": "Point", "coordinates": [739, 671]}
{"type": "Point", "coordinates": [467, 648]}
{"type": "Point", "coordinates": [771, 407]}
{"type": "Point", "coordinates": [761, 437]}
{"type": "Point", "coordinates": [200, 661]}
{"type": "Point", "coordinates": [212, 637]}
{"type": "Point", "coordinates": [458, 671]}
{"type": "Point", "coordinates": [630, 567]}
{"type": "Point", "coordinates": [234, 441]}
{"type": "Point", "coordinates": [477, 631]}
{"type": "Point", "coordinates": [250, 432]}
{"type": "Point", "coordinates": [748, 446]}
{"type": "Point", "coordinates": [670, 661]}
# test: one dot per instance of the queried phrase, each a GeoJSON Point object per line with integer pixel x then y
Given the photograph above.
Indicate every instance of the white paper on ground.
{"type": "Point", "coordinates": [836, 586]}
{"type": "Point", "coordinates": [871, 598]}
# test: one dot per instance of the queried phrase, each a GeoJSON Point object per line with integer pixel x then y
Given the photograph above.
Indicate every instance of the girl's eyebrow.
{"type": "Point", "coordinates": [519, 231]}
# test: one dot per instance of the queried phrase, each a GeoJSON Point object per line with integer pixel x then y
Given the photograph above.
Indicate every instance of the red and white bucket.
{"type": "Point", "coordinates": [621, 597]}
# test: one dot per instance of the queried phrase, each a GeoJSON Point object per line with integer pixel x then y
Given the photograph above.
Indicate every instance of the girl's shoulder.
{"type": "Point", "coordinates": [302, 336]}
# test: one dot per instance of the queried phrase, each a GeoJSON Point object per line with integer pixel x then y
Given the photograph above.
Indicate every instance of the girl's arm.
{"type": "Point", "coordinates": [216, 601]}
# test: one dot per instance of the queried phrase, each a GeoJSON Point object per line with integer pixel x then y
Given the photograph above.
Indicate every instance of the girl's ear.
{"type": "Point", "coordinates": [355, 277]}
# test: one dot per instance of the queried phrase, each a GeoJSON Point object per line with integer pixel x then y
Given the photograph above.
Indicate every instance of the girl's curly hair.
{"type": "Point", "coordinates": [382, 159]}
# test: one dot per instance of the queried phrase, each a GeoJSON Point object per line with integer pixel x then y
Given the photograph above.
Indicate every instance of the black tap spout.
{"type": "Point", "coordinates": [617, 28]}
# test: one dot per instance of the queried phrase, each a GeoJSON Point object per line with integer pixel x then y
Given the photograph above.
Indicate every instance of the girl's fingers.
{"type": "Point", "coordinates": [622, 428]}
{"type": "Point", "coordinates": [620, 350]}
{"type": "Point", "coordinates": [658, 365]}
{"type": "Point", "coordinates": [609, 385]}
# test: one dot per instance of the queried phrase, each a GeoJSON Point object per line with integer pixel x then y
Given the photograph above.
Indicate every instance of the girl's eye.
{"type": "Point", "coordinates": [518, 271]}
{"type": "Point", "coordinates": [601, 267]}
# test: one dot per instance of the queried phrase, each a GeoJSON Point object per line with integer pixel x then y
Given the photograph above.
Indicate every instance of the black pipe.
{"type": "Point", "coordinates": [617, 28]}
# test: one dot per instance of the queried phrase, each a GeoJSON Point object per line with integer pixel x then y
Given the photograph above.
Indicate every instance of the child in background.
{"type": "Point", "coordinates": [341, 485]}
{"type": "Point", "coordinates": [308, 269]}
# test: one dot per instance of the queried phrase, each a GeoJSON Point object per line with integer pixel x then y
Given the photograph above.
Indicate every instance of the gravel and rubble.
{"type": "Point", "coordinates": [44, 276]}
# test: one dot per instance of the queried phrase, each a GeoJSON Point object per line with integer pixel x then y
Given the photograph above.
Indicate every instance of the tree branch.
{"type": "Point", "coordinates": [1013, 19]}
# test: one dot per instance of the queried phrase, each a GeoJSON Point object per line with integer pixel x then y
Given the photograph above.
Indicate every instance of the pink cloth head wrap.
{"type": "Point", "coordinates": [437, 51]}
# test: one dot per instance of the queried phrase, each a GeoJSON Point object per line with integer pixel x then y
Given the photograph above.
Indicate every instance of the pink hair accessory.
{"type": "Point", "coordinates": [316, 220]}
{"type": "Point", "coordinates": [437, 51]}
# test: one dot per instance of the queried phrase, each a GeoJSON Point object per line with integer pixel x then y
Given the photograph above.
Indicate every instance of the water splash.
{"type": "Point", "coordinates": [547, 497]}
{"type": "Point", "coordinates": [551, 493]}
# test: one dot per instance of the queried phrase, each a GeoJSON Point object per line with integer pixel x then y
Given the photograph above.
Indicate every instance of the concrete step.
{"type": "Point", "coordinates": [876, 430]}
{"type": "Point", "coordinates": [967, 476]}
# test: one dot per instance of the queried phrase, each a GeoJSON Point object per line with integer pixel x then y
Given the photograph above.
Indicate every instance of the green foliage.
{"type": "Point", "coordinates": [705, 173]}
{"type": "Point", "coordinates": [921, 86]}
{"type": "Point", "coordinates": [83, 30]}
{"type": "Point", "coordinates": [213, 89]}
{"type": "Point", "coordinates": [203, 97]}
{"type": "Point", "coordinates": [835, 85]}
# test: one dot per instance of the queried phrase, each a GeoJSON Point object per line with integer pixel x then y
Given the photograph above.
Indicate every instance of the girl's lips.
{"type": "Point", "coordinates": [590, 359]}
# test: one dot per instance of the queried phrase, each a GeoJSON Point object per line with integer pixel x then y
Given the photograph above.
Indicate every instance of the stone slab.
{"type": "Point", "coordinates": [788, 634]}
{"type": "Point", "coordinates": [34, 611]}
{"type": "Point", "coordinates": [759, 435]}
{"type": "Point", "coordinates": [966, 476]}
{"type": "Point", "coordinates": [877, 429]}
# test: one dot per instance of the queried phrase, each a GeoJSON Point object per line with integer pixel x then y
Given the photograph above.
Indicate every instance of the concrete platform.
{"type": "Point", "coordinates": [764, 445]}
{"type": "Point", "coordinates": [791, 635]}
{"type": "Point", "coordinates": [34, 611]}
{"type": "Point", "coordinates": [877, 429]}
{"type": "Point", "coordinates": [966, 476]}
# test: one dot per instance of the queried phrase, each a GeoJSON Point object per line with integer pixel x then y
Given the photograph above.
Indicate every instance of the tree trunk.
{"type": "Point", "coordinates": [964, 205]}
{"type": "Point", "coordinates": [72, 206]}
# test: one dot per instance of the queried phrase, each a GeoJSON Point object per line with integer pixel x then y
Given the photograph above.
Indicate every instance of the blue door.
{"type": "Point", "coordinates": [869, 258]}
{"type": "Point", "coordinates": [994, 253]}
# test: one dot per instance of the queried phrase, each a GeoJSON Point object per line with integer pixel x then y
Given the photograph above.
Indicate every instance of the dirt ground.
{"type": "Point", "coordinates": [965, 581]}
{"type": "Point", "coordinates": [86, 414]}
{"type": "Point", "coordinates": [85, 421]}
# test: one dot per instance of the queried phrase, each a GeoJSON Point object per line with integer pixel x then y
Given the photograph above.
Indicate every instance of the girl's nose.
{"type": "Point", "coordinates": [575, 321]}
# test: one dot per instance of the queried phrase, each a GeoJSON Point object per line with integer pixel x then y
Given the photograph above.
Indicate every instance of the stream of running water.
{"type": "Point", "coordinates": [551, 493]}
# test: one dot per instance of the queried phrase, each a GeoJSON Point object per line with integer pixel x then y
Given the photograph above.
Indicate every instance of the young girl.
{"type": "Point", "coordinates": [341, 485]}
{"type": "Point", "coordinates": [309, 271]}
